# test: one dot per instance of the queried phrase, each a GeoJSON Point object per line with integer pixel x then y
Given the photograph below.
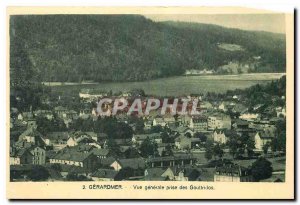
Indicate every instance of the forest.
{"type": "Point", "coordinates": [104, 48]}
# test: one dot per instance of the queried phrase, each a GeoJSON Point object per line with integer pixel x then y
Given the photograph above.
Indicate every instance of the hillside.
{"type": "Point", "coordinates": [132, 48]}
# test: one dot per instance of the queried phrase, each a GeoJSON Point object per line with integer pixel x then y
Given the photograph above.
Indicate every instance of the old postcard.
{"type": "Point", "coordinates": [150, 103]}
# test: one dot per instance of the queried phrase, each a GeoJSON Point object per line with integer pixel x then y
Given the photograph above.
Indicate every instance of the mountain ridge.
{"type": "Point", "coordinates": [75, 48]}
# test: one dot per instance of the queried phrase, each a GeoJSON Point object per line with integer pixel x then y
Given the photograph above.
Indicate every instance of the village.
{"type": "Point", "coordinates": [227, 142]}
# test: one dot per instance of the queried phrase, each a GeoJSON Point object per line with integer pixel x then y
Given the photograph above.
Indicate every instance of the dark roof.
{"type": "Point", "coordinates": [232, 169]}
{"type": "Point", "coordinates": [60, 108]}
{"type": "Point", "coordinates": [240, 122]}
{"type": "Point", "coordinates": [72, 169]}
{"type": "Point", "coordinates": [83, 148]}
{"type": "Point", "coordinates": [133, 163]}
{"type": "Point", "coordinates": [155, 172]}
{"type": "Point", "coordinates": [30, 132]}
{"type": "Point", "coordinates": [180, 129]}
{"type": "Point", "coordinates": [71, 154]}
{"type": "Point", "coordinates": [107, 161]}
{"type": "Point", "coordinates": [50, 154]}
{"type": "Point", "coordinates": [57, 136]}
{"type": "Point", "coordinates": [240, 107]}
{"type": "Point", "coordinates": [105, 173]}
{"type": "Point", "coordinates": [191, 173]}
{"type": "Point", "coordinates": [100, 152]}
{"type": "Point", "coordinates": [199, 119]}
{"type": "Point", "coordinates": [19, 152]}
{"type": "Point", "coordinates": [230, 133]}
{"type": "Point", "coordinates": [54, 174]}
{"type": "Point", "coordinates": [170, 158]}
{"type": "Point", "coordinates": [145, 136]}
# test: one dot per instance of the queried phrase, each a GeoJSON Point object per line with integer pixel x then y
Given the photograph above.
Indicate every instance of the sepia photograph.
{"type": "Point", "coordinates": [110, 98]}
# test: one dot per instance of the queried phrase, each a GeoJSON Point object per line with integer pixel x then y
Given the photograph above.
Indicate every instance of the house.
{"type": "Point", "coordinates": [104, 175]}
{"type": "Point", "coordinates": [31, 123]}
{"type": "Point", "coordinates": [184, 120]}
{"type": "Point", "coordinates": [171, 161]}
{"type": "Point", "coordinates": [85, 113]}
{"type": "Point", "coordinates": [56, 139]}
{"type": "Point", "coordinates": [71, 169]}
{"type": "Point", "coordinates": [20, 156]}
{"type": "Point", "coordinates": [239, 108]}
{"type": "Point", "coordinates": [218, 121]}
{"type": "Point", "coordinates": [74, 157]}
{"type": "Point", "coordinates": [232, 173]}
{"type": "Point", "coordinates": [29, 138]}
{"type": "Point", "coordinates": [219, 136]}
{"type": "Point", "coordinates": [184, 142]}
{"type": "Point", "coordinates": [140, 138]}
{"type": "Point", "coordinates": [79, 137]}
{"type": "Point", "coordinates": [240, 124]}
{"type": "Point", "coordinates": [147, 124]}
{"type": "Point", "coordinates": [181, 130]}
{"type": "Point", "coordinates": [39, 155]}
{"type": "Point", "coordinates": [60, 111]}
{"type": "Point", "coordinates": [25, 116]}
{"type": "Point", "coordinates": [205, 106]}
{"type": "Point", "coordinates": [162, 147]}
{"type": "Point", "coordinates": [281, 111]}
{"type": "Point", "coordinates": [159, 121]}
{"type": "Point", "coordinates": [70, 114]}
{"type": "Point", "coordinates": [263, 137]}
{"type": "Point", "coordinates": [93, 135]}
{"type": "Point", "coordinates": [44, 113]}
{"type": "Point", "coordinates": [106, 162]}
{"type": "Point", "coordinates": [101, 153]}
{"type": "Point", "coordinates": [250, 117]}
{"type": "Point", "coordinates": [133, 163]}
{"type": "Point", "coordinates": [198, 123]}
{"type": "Point", "coordinates": [158, 174]}
{"type": "Point", "coordinates": [226, 105]}
{"type": "Point", "coordinates": [186, 174]}
{"type": "Point", "coordinates": [169, 119]}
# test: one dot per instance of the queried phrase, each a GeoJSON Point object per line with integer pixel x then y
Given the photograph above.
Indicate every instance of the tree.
{"type": "Point", "coordinates": [77, 177]}
{"type": "Point", "coordinates": [131, 153]}
{"type": "Point", "coordinates": [279, 143]}
{"type": "Point", "coordinates": [148, 148]}
{"type": "Point", "coordinates": [156, 129]}
{"type": "Point", "coordinates": [56, 167]}
{"type": "Point", "coordinates": [113, 128]}
{"type": "Point", "coordinates": [218, 151]}
{"type": "Point", "coordinates": [261, 169]}
{"type": "Point", "coordinates": [266, 148]}
{"type": "Point", "coordinates": [233, 146]}
{"type": "Point", "coordinates": [187, 134]}
{"type": "Point", "coordinates": [209, 146]}
{"type": "Point", "coordinates": [250, 146]}
{"type": "Point", "coordinates": [113, 147]}
{"type": "Point", "coordinates": [166, 138]}
{"type": "Point", "coordinates": [168, 151]}
{"type": "Point", "coordinates": [139, 124]}
{"type": "Point", "coordinates": [44, 125]}
{"type": "Point", "coordinates": [201, 136]}
{"type": "Point", "coordinates": [38, 173]}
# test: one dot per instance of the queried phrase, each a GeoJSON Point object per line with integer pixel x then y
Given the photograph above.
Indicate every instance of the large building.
{"type": "Point", "coordinates": [232, 173]}
{"type": "Point", "coordinates": [218, 121]}
{"type": "Point", "coordinates": [198, 123]}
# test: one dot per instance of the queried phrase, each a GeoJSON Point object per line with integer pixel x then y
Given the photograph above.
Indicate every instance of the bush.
{"type": "Point", "coordinates": [261, 169]}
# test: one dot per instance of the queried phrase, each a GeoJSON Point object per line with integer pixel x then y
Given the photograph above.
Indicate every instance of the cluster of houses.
{"type": "Point", "coordinates": [88, 153]}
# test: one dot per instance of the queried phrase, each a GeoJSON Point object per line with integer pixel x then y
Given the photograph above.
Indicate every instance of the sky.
{"type": "Point", "coordinates": [259, 22]}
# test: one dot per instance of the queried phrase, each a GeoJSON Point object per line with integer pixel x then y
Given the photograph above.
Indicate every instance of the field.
{"type": "Point", "coordinates": [174, 86]}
